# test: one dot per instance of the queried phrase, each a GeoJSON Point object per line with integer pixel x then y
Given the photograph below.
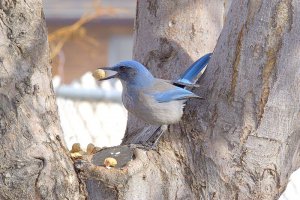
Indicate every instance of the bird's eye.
{"type": "Point", "coordinates": [122, 67]}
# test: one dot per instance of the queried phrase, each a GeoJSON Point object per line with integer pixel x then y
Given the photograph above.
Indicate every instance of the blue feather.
{"type": "Point", "coordinates": [174, 94]}
{"type": "Point", "coordinates": [189, 77]}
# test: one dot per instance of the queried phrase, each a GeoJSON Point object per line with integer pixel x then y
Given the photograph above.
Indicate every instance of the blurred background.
{"type": "Point", "coordinates": [84, 35]}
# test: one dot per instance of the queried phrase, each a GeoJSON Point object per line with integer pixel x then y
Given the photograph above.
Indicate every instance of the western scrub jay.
{"type": "Point", "coordinates": [155, 101]}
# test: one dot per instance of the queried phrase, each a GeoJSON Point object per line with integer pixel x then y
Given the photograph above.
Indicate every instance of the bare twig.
{"type": "Point", "coordinates": [58, 38]}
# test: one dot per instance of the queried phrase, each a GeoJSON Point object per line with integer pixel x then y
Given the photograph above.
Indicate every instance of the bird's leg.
{"type": "Point", "coordinates": [152, 141]}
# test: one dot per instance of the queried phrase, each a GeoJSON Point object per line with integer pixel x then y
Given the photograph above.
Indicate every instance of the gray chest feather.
{"type": "Point", "coordinates": [145, 107]}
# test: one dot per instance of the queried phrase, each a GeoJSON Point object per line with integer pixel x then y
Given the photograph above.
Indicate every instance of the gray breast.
{"type": "Point", "coordinates": [145, 107]}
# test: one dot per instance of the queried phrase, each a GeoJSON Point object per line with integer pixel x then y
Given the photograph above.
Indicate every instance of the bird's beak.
{"type": "Point", "coordinates": [108, 69]}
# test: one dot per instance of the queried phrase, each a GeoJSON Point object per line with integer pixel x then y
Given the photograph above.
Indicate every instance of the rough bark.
{"type": "Point", "coordinates": [243, 141]}
{"type": "Point", "coordinates": [34, 163]}
{"type": "Point", "coordinates": [250, 123]}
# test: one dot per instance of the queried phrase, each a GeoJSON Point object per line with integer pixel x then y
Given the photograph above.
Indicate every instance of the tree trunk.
{"type": "Point", "coordinates": [242, 141]}
{"type": "Point", "coordinates": [169, 36]}
{"type": "Point", "coordinates": [34, 163]}
{"type": "Point", "coordinates": [250, 122]}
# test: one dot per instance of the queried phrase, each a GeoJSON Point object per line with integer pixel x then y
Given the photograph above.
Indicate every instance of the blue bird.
{"type": "Point", "coordinates": [155, 101]}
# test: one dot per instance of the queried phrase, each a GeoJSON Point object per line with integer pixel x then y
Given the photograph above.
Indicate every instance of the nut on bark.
{"type": "Point", "coordinates": [110, 162]}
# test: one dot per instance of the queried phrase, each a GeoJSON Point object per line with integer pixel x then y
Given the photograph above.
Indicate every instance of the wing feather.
{"type": "Point", "coordinates": [163, 91]}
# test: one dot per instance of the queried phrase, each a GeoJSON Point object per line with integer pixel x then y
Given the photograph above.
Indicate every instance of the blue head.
{"type": "Point", "coordinates": [131, 72]}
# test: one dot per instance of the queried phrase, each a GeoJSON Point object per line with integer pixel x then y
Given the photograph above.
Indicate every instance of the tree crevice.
{"type": "Point", "coordinates": [280, 23]}
{"type": "Point", "coordinates": [37, 192]}
{"type": "Point", "coordinates": [236, 62]}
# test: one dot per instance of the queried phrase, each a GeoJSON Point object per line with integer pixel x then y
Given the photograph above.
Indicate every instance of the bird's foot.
{"type": "Point", "coordinates": [152, 141]}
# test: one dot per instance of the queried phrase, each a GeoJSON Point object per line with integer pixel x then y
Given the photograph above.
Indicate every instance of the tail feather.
{"type": "Point", "coordinates": [190, 76]}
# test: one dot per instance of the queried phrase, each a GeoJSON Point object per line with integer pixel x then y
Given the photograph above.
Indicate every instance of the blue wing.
{"type": "Point", "coordinates": [188, 78]}
{"type": "Point", "coordinates": [173, 94]}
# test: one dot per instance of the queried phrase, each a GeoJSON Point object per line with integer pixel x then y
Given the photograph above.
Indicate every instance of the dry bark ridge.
{"type": "Point", "coordinates": [33, 160]}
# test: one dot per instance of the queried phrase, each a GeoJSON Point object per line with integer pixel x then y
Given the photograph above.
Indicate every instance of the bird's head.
{"type": "Point", "coordinates": [130, 72]}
